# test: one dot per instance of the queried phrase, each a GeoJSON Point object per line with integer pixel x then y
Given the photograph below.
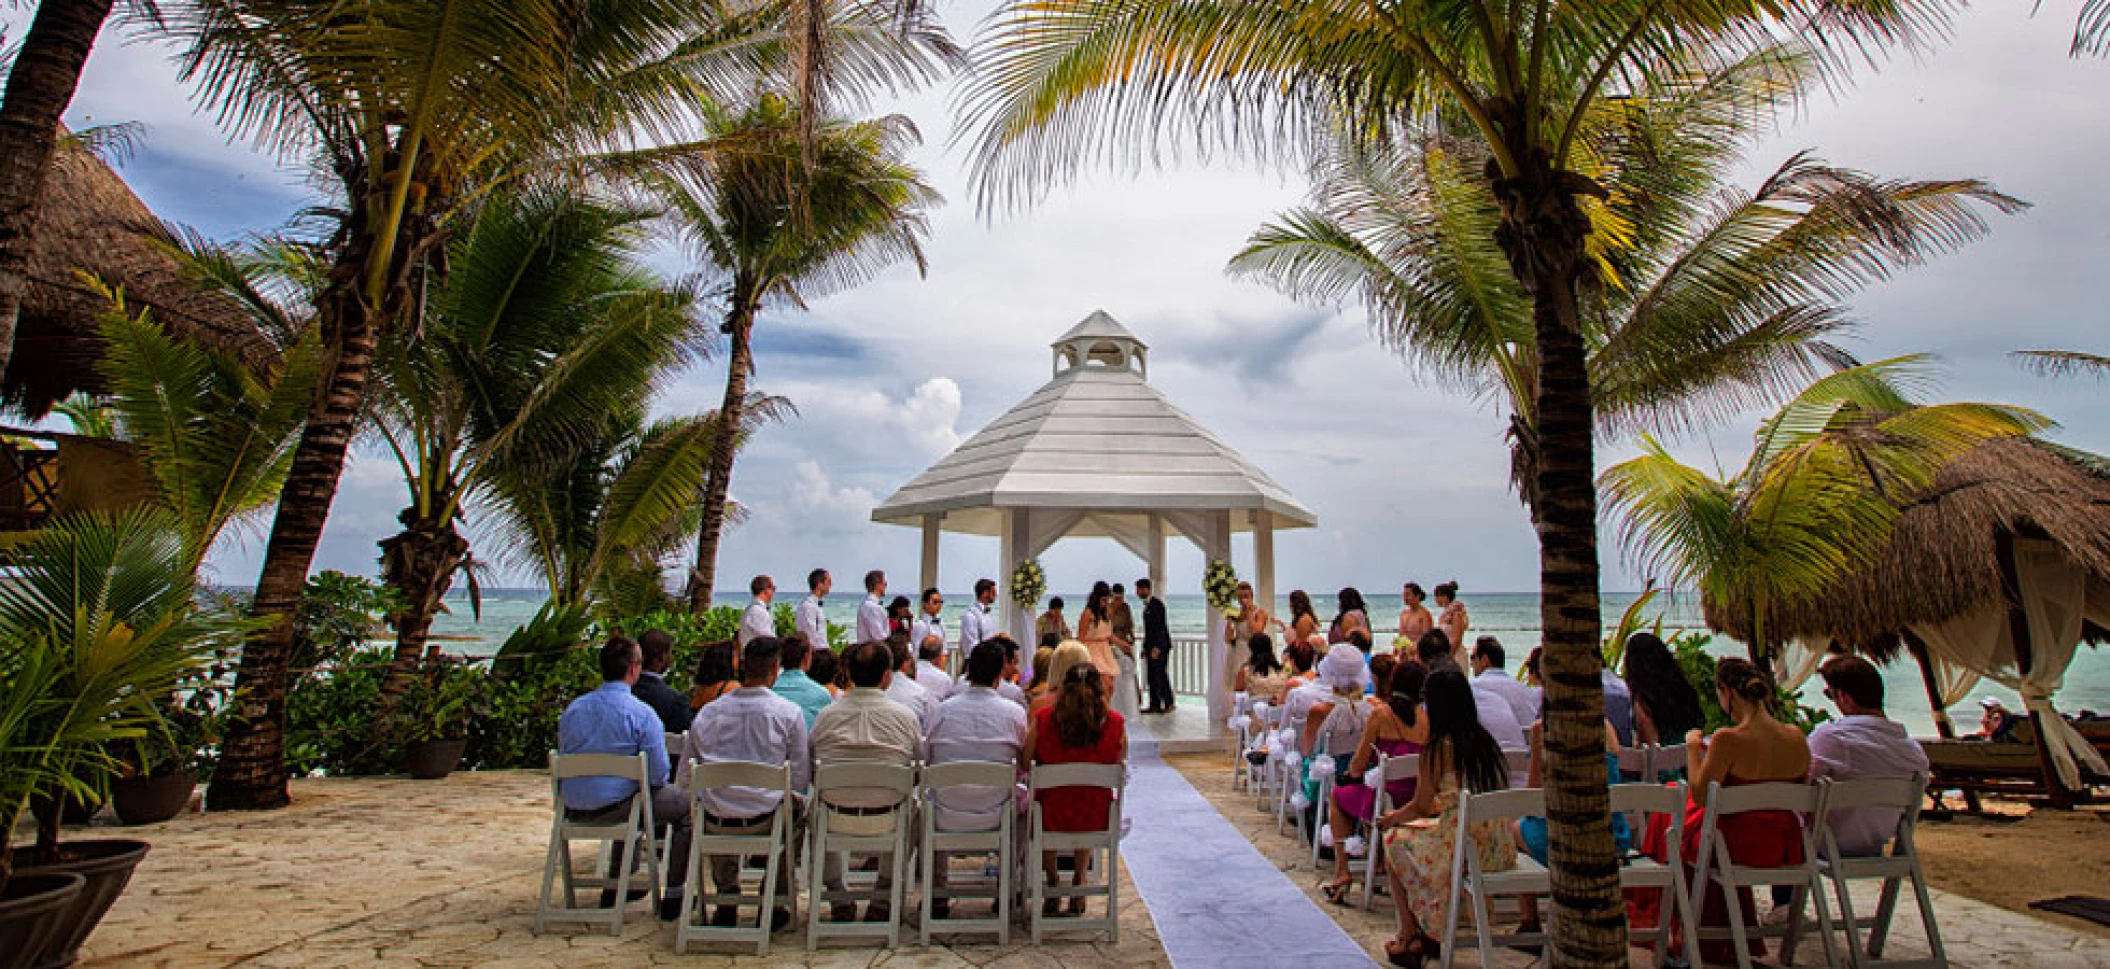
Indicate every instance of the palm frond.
{"type": "Point", "coordinates": [2063, 363]}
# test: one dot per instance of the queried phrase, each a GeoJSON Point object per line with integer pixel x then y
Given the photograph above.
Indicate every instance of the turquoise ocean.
{"type": "Point", "coordinates": [1511, 617]}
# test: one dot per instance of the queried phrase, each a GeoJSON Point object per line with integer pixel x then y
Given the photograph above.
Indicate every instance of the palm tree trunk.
{"type": "Point", "coordinates": [47, 71]}
{"type": "Point", "coordinates": [420, 563]}
{"type": "Point", "coordinates": [1543, 232]}
{"type": "Point", "coordinates": [718, 482]}
{"type": "Point", "coordinates": [251, 774]}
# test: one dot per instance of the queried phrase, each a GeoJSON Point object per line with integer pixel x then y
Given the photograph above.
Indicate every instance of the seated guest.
{"type": "Point", "coordinates": [1360, 639]}
{"type": "Point", "coordinates": [796, 683]}
{"type": "Point", "coordinates": [1262, 677]}
{"type": "Point", "coordinates": [1531, 670]}
{"type": "Point", "coordinates": [865, 726]}
{"type": "Point", "coordinates": [1490, 677]}
{"type": "Point", "coordinates": [1042, 656]}
{"type": "Point", "coordinates": [1531, 831]}
{"type": "Point", "coordinates": [903, 688]}
{"type": "Point", "coordinates": [758, 725]}
{"type": "Point", "coordinates": [930, 669]}
{"type": "Point", "coordinates": [611, 720]}
{"type": "Point", "coordinates": [1433, 649]}
{"type": "Point", "coordinates": [1007, 681]}
{"type": "Point", "coordinates": [1756, 749]}
{"type": "Point", "coordinates": [715, 676]}
{"type": "Point", "coordinates": [652, 689]}
{"type": "Point", "coordinates": [1334, 724]}
{"type": "Point", "coordinates": [1494, 714]}
{"type": "Point", "coordinates": [976, 723]}
{"type": "Point", "coordinates": [1303, 662]}
{"type": "Point", "coordinates": [1619, 706]}
{"type": "Point", "coordinates": [1069, 654]}
{"type": "Point", "coordinates": [1078, 728]}
{"type": "Point", "coordinates": [1862, 744]}
{"type": "Point", "coordinates": [825, 672]}
{"type": "Point", "coordinates": [1459, 758]}
{"type": "Point", "coordinates": [1664, 704]}
{"type": "Point", "coordinates": [1396, 729]}
{"type": "Point", "coordinates": [1381, 667]}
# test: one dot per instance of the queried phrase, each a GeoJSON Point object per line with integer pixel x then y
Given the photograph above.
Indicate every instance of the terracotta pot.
{"type": "Point", "coordinates": [32, 909]}
{"type": "Point", "coordinates": [152, 800]}
{"type": "Point", "coordinates": [107, 866]}
{"type": "Point", "coordinates": [432, 759]}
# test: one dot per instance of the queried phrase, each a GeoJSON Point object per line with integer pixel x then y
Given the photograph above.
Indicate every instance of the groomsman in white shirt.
{"type": "Point", "coordinates": [871, 613]}
{"type": "Point", "coordinates": [808, 617]}
{"type": "Point", "coordinates": [927, 637]}
{"type": "Point", "coordinates": [757, 622]}
{"type": "Point", "coordinates": [978, 623]}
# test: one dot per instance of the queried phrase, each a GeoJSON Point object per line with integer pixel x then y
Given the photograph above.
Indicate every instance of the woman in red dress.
{"type": "Point", "coordinates": [1077, 729]}
{"type": "Point", "coordinates": [1758, 749]}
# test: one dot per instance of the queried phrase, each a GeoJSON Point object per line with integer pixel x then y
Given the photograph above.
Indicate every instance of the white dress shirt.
{"type": "Point", "coordinates": [1862, 747]}
{"type": "Point", "coordinates": [811, 621]}
{"type": "Point", "coordinates": [753, 724]}
{"type": "Point", "coordinates": [976, 724]}
{"type": "Point", "coordinates": [924, 628]}
{"type": "Point", "coordinates": [871, 620]}
{"type": "Point", "coordinates": [1496, 716]}
{"type": "Point", "coordinates": [933, 680]}
{"type": "Point", "coordinates": [1523, 700]}
{"type": "Point", "coordinates": [904, 689]}
{"type": "Point", "coordinates": [756, 622]}
{"type": "Point", "coordinates": [1004, 688]}
{"type": "Point", "coordinates": [976, 624]}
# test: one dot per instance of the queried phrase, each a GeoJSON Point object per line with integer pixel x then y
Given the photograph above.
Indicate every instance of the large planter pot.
{"type": "Point", "coordinates": [33, 907]}
{"type": "Point", "coordinates": [107, 865]}
{"type": "Point", "coordinates": [152, 800]}
{"type": "Point", "coordinates": [431, 760]}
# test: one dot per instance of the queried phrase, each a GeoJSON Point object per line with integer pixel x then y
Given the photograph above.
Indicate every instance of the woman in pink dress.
{"type": "Point", "coordinates": [1396, 729]}
{"type": "Point", "coordinates": [1415, 620]}
{"type": "Point", "coordinates": [1077, 729]}
{"type": "Point", "coordinates": [1095, 629]}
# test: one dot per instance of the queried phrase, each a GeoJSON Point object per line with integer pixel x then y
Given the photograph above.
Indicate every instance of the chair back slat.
{"type": "Point", "coordinates": [1519, 764]}
{"type": "Point", "coordinates": [1801, 798]}
{"type": "Point", "coordinates": [1648, 799]}
{"type": "Point", "coordinates": [1050, 776]}
{"type": "Point", "coordinates": [715, 774]}
{"type": "Point", "coordinates": [1398, 768]}
{"type": "Point", "coordinates": [891, 778]}
{"type": "Point", "coordinates": [969, 773]}
{"type": "Point", "coordinates": [1634, 760]}
{"type": "Point", "coordinates": [629, 767]}
{"type": "Point", "coordinates": [1503, 805]}
{"type": "Point", "coordinates": [1666, 759]}
{"type": "Point", "coordinates": [1902, 793]}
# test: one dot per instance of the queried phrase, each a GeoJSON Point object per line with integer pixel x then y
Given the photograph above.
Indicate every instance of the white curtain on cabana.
{"type": "Point", "coordinates": [1796, 662]}
{"type": "Point", "coordinates": [2056, 597]}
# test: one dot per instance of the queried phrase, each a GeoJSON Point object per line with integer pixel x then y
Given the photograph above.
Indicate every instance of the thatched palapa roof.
{"type": "Point", "coordinates": [91, 222]}
{"type": "Point", "coordinates": [1942, 560]}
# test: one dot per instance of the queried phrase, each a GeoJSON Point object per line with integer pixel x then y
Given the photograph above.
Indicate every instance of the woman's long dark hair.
{"type": "Point", "coordinates": [1454, 730]}
{"type": "Point", "coordinates": [1095, 604]}
{"type": "Point", "coordinates": [1659, 685]}
{"type": "Point", "coordinates": [1080, 708]}
{"type": "Point", "coordinates": [1350, 601]}
{"type": "Point", "coordinates": [900, 614]}
{"type": "Point", "coordinates": [1300, 605]}
{"type": "Point", "coordinates": [1408, 679]}
{"type": "Point", "coordinates": [1262, 655]}
{"type": "Point", "coordinates": [715, 666]}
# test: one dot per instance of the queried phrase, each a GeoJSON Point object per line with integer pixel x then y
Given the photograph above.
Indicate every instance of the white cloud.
{"type": "Point", "coordinates": [812, 491]}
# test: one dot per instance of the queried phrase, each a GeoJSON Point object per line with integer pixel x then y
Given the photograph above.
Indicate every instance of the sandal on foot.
{"type": "Point", "coordinates": [1338, 892]}
{"type": "Point", "coordinates": [1406, 955]}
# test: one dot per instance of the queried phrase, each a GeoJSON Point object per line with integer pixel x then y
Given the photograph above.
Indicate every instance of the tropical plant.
{"type": "Point", "coordinates": [1828, 475]}
{"type": "Point", "coordinates": [860, 208]}
{"type": "Point", "coordinates": [544, 323]}
{"type": "Point", "coordinates": [440, 704]}
{"type": "Point", "coordinates": [1630, 622]}
{"type": "Point", "coordinates": [90, 415]}
{"type": "Point", "coordinates": [338, 615]}
{"type": "Point", "coordinates": [99, 619]}
{"type": "Point", "coordinates": [1063, 84]}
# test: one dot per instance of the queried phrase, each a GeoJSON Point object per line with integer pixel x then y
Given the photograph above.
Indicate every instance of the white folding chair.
{"type": "Point", "coordinates": [994, 842]}
{"type": "Point", "coordinates": [1634, 760]}
{"type": "Point", "coordinates": [663, 832]}
{"type": "Point", "coordinates": [1528, 877]}
{"type": "Point", "coordinates": [1899, 861]}
{"type": "Point", "coordinates": [1638, 801]}
{"type": "Point", "coordinates": [1322, 808]}
{"type": "Point", "coordinates": [1241, 739]}
{"type": "Point", "coordinates": [1519, 762]}
{"type": "Point", "coordinates": [634, 830]}
{"type": "Point", "coordinates": [1389, 769]}
{"type": "Point", "coordinates": [1267, 723]}
{"type": "Point", "coordinates": [1716, 867]}
{"type": "Point", "coordinates": [895, 782]}
{"type": "Point", "coordinates": [1666, 762]}
{"type": "Point", "coordinates": [773, 841]}
{"type": "Point", "coordinates": [1046, 777]}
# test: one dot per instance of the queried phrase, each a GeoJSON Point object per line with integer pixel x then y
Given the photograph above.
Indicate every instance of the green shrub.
{"type": "Point", "coordinates": [1690, 649]}
{"type": "Point", "coordinates": [330, 715]}
{"type": "Point", "coordinates": [517, 725]}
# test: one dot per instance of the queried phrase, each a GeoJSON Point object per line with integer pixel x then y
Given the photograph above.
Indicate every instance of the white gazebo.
{"type": "Point", "coordinates": [1098, 452]}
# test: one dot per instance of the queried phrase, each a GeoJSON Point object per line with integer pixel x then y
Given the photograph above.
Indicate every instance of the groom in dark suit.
{"type": "Point", "coordinates": [1157, 648]}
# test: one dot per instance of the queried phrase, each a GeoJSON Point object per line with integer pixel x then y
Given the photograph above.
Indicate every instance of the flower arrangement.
{"type": "Point", "coordinates": [1028, 581]}
{"type": "Point", "coordinates": [1220, 584]}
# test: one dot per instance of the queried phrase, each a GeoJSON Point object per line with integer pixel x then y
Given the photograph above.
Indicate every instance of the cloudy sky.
{"type": "Point", "coordinates": [1408, 481]}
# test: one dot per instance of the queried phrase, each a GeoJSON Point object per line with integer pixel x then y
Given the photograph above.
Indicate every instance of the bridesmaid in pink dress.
{"type": "Point", "coordinates": [1396, 729]}
{"type": "Point", "coordinates": [1095, 629]}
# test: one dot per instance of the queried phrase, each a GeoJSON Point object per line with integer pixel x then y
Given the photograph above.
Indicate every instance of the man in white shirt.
{"type": "Point", "coordinates": [904, 688]}
{"type": "Point", "coordinates": [974, 724]}
{"type": "Point", "coordinates": [1489, 676]}
{"type": "Point", "coordinates": [978, 623]}
{"type": "Point", "coordinates": [864, 725]}
{"type": "Point", "coordinates": [755, 725]}
{"type": "Point", "coordinates": [871, 613]}
{"type": "Point", "coordinates": [808, 617]}
{"type": "Point", "coordinates": [927, 638]}
{"type": "Point", "coordinates": [757, 622]}
{"type": "Point", "coordinates": [1862, 744]}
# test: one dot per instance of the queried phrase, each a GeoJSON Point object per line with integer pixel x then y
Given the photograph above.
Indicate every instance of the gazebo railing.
{"type": "Point", "coordinates": [1189, 665]}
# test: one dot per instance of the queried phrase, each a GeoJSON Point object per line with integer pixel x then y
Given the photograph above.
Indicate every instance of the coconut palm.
{"type": "Point", "coordinates": [1063, 84]}
{"type": "Point", "coordinates": [2064, 363]}
{"type": "Point", "coordinates": [862, 209]}
{"type": "Point", "coordinates": [544, 324]}
{"type": "Point", "coordinates": [1828, 475]}
{"type": "Point", "coordinates": [1725, 298]}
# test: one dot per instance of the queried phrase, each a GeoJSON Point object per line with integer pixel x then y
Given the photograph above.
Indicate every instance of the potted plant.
{"type": "Point", "coordinates": [432, 718]}
{"type": "Point", "coordinates": [98, 619]}
{"type": "Point", "coordinates": [164, 768]}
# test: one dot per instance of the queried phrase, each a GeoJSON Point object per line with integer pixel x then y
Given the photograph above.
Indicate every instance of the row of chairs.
{"type": "Point", "coordinates": [902, 795]}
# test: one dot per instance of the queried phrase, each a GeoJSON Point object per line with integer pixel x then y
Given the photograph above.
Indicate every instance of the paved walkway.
{"type": "Point", "coordinates": [1216, 900]}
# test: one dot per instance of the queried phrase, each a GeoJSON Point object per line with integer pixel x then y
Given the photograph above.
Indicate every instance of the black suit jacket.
{"type": "Point", "coordinates": [672, 707]}
{"type": "Point", "coordinates": [1156, 635]}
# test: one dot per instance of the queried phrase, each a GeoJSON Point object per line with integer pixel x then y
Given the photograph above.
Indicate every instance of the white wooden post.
{"type": "Point", "coordinates": [1156, 559]}
{"type": "Point", "coordinates": [929, 575]}
{"type": "Point", "coordinates": [1216, 544]}
{"type": "Point", "coordinates": [1264, 560]}
{"type": "Point", "coordinates": [1016, 618]}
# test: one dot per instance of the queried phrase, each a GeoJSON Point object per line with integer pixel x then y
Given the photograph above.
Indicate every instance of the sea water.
{"type": "Point", "coordinates": [1512, 618]}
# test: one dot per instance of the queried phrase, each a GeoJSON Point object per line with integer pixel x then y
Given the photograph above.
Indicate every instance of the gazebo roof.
{"type": "Point", "coordinates": [1097, 438]}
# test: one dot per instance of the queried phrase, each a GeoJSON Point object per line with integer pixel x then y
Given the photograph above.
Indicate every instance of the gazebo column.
{"type": "Point", "coordinates": [1216, 544]}
{"type": "Point", "coordinates": [1018, 619]}
{"type": "Point", "coordinates": [1155, 561]}
{"type": "Point", "coordinates": [1264, 559]}
{"type": "Point", "coordinates": [929, 574]}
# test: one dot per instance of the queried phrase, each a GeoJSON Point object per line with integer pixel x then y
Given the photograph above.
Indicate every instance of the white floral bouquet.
{"type": "Point", "coordinates": [1220, 584]}
{"type": "Point", "coordinates": [1028, 581]}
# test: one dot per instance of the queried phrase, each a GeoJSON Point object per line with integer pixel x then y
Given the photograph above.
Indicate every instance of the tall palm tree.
{"type": "Point", "coordinates": [544, 324]}
{"type": "Point", "coordinates": [1063, 84]}
{"type": "Point", "coordinates": [1725, 298]}
{"type": "Point", "coordinates": [778, 230]}
{"type": "Point", "coordinates": [1828, 475]}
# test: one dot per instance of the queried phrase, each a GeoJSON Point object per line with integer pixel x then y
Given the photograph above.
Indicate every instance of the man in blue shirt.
{"type": "Point", "coordinates": [793, 684]}
{"type": "Point", "coordinates": [611, 720]}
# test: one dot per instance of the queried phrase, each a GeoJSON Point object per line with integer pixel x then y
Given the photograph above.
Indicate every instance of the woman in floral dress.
{"type": "Point", "coordinates": [1460, 756]}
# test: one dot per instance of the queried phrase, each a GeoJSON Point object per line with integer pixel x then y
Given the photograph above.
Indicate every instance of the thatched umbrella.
{"type": "Point", "coordinates": [1952, 556]}
{"type": "Point", "coordinates": [91, 222]}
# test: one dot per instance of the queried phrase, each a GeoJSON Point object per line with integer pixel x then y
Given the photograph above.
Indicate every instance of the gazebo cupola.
{"type": "Point", "coordinates": [1100, 341]}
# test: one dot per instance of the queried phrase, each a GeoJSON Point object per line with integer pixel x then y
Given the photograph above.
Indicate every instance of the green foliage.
{"type": "Point", "coordinates": [440, 703]}
{"type": "Point", "coordinates": [518, 726]}
{"type": "Point", "coordinates": [330, 716]}
{"type": "Point", "coordinates": [555, 629]}
{"type": "Point", "coordinates": [338, 615]}
{"type": "Point", "coordinates": [1690, 649]}
{"type": "Point", "coordinates": [1630, 623]}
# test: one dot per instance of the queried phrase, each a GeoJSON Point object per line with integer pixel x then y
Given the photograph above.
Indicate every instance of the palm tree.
{"type": "Point", "coordinates": [2064, 363]}
{"type": "Point", "coordinates": [1726, 298]}
{"type": "Point", "coordinates": [1827, 477]}
{"type": "Point", "coordinates": [859, 209]}
{"type": "Point", "coordinates": [544, 325]}
{"type": "Point", "coordinates": [1062, 84]}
